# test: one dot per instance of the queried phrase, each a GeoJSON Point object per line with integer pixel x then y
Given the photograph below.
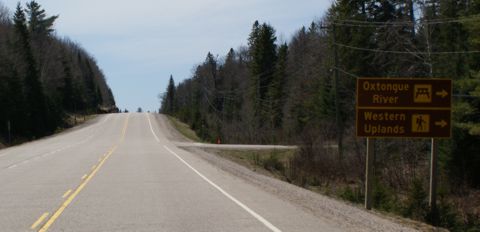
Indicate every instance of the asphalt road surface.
{"type": "Point", "coordinates": [121, 172]}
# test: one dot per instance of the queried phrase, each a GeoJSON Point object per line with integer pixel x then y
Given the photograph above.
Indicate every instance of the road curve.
{"type": "Point", "coordinates": [122, 173]}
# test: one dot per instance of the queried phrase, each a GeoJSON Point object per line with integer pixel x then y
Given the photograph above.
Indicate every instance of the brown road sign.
{"type": "Point", "coordinates": [405, 92]}
{"type": "Point", "coordinates": [403, 123]}
{"type": "Point", "coordinates": [404, 107]}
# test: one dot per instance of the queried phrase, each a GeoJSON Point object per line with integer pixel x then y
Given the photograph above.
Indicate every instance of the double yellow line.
{"type": "Point", "coordinates": [82, 185]}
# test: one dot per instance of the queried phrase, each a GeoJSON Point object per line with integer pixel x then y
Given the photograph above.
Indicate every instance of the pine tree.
{"type": "Point", "coordinates": [16, 111]}
{"type": "Point", "coordinates": [68, 99]}
{"type": "Point", "coordinates": [276, 92]}
{"type": "Point", "coordinates": [253, 38]}
{"type": "Point", "coordinates": [39, 24]}
{"type": "Point", "coordinates": [91, 87]}
{"type": "Point", "coordinates": [232, 97]}
{"type": "Point", "coordinates": [35, 98]}
{"type": "Point", "coordinates": [262, 67]}
{"type": "Point", "coordinates": [168, 101]}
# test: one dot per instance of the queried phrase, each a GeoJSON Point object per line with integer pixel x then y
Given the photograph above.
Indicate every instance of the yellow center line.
{"type": "Point", "coordinates": [83, 183]}
{"type": "Point", "coordinates": [67, 193]}
{"type": "Point", "coordinates": [84, 176]}
{"type": "Point", "coordinates": [93, 167]}
{"type": "Point", "coordinates": [39, 220]}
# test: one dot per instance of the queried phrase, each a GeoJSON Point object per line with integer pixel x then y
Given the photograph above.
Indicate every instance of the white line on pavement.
{"type": "Point", "coordinates": [151, 129]}
{"type": "Point", "coordinates": [250, 211]}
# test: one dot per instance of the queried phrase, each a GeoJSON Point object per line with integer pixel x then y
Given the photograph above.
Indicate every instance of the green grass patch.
{"type": "Point", "coordinates": [184, 129]}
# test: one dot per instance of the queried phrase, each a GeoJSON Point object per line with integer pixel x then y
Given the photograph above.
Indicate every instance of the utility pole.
{"type": "Point", "coordinates": [338, 121]}
{"type": "Point", "coordinates": [432, 194]}
{"type": "Point", "coordinates": [337, 98]}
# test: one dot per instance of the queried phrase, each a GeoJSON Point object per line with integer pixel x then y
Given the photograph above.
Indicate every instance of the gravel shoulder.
{"type": "Point", "coordinates": [347, 216]}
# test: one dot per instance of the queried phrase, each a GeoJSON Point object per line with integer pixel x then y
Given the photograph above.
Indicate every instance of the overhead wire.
{"type": "Point", "coordinates": [406, 52]}
{"type": "Point", "coordinates": [353, 22]}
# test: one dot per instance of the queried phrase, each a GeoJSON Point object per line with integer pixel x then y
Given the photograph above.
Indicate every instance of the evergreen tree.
{"type": "Point", "coordinates": [38, 23]}
{"type": "Point", "coordinates": [276, 92]}
{"type": "Point", "coordinates": [262, 66]}
{"type": "Point", "coordinates": [168, 101]}
{"type": "Point", "coordinates": [35, 98]}
{"type": "Point", "coordinates": [232, 96]}
{"type": "Point", "coordinates": [16, 111]}
{"type": "Point", "coordinates": [93, 97]}
{"type": "Point", "coordinates": [68, 98]}
{"type": "Point", "coordinates": [253, 38]}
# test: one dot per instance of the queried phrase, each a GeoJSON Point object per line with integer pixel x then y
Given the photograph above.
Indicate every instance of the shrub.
{"type": "Point", "coordinates": [272, 163]}
{"type": "Point", "coordinates": [416, 205]}
{"type": "Point", "coordinates": [352, 194]}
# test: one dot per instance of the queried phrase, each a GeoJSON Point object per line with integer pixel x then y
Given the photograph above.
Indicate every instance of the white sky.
{"type": "Point", "coordinates": [139, 43]}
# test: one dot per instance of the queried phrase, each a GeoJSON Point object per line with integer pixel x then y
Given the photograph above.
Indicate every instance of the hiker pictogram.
{"type": "Point", "coordinates": [421, 123]}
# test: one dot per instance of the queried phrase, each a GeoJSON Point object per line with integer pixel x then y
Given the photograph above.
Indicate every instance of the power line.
{"type": "Point", "coordinates": [362, 23]}
{"type": "Point", "coordinates": [345, 72]}
{"type": "Point", "coordinates": [406, 52]}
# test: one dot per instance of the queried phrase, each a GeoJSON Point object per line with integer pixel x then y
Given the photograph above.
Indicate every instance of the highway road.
{"type": "Point", "coordinates": [121, 172]}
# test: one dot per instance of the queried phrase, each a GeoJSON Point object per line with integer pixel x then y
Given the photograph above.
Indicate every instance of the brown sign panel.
{"type": "Point", "coordinates": [403, 123]}
{"type": "Point", "coordinates": [404, 92]}
{"type": "Point", "coordinates": [404, 107]}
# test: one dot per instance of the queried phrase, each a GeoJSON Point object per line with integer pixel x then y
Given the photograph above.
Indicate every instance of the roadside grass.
{"type": "Point", "coordinates": [72, 120]}
{"type": "Point", "coordinates": [272, 162]}
{"type": "Point", "coordinates": [184, 129]}
{"type": "Point", "coordinates": [277, 163]}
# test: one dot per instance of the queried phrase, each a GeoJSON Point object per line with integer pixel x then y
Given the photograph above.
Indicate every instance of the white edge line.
{"type": "Point", "coordinates": [250, 211]}
{"type": "Point", "coordinates": [151, 129]}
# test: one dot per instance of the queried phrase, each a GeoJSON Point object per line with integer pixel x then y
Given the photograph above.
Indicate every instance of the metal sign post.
{"type": "Point", "coordinates": [9, 132]}
{"type": "Point", "coordinates": [432, 196]}
{"type": "Point", "coordinates": [369, 172]}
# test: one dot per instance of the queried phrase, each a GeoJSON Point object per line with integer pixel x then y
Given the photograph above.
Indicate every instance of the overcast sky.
{"type": "Point", "coordinates": [139, 43]}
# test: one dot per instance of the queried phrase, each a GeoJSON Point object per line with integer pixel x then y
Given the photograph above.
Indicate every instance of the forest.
{"type": "Point", "coordinates": [302, 92]}
{"type": "Point", "coordinates": [45, 80]}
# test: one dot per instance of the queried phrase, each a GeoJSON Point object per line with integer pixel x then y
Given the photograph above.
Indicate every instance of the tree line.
{"type": "Point", "coordinates": [44, 79]}
{"type": "Point", "coordinates": [303, 92]}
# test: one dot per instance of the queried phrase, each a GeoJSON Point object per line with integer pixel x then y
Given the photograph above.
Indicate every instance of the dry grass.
{"type": "Point", "coordinates": [184, 129]}
{"type": "Point", "coordinates": [268, 162]}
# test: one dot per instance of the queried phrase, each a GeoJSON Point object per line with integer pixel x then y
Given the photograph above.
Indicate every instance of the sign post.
{"type": "Point", "coordinates": [403, 108]}
{"type": "Point", "coordinates": [369, 172]}
{"type": "Point", "coordinates": [9, 132]}
{"type": "Point", "coordinates": [432, 195]}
